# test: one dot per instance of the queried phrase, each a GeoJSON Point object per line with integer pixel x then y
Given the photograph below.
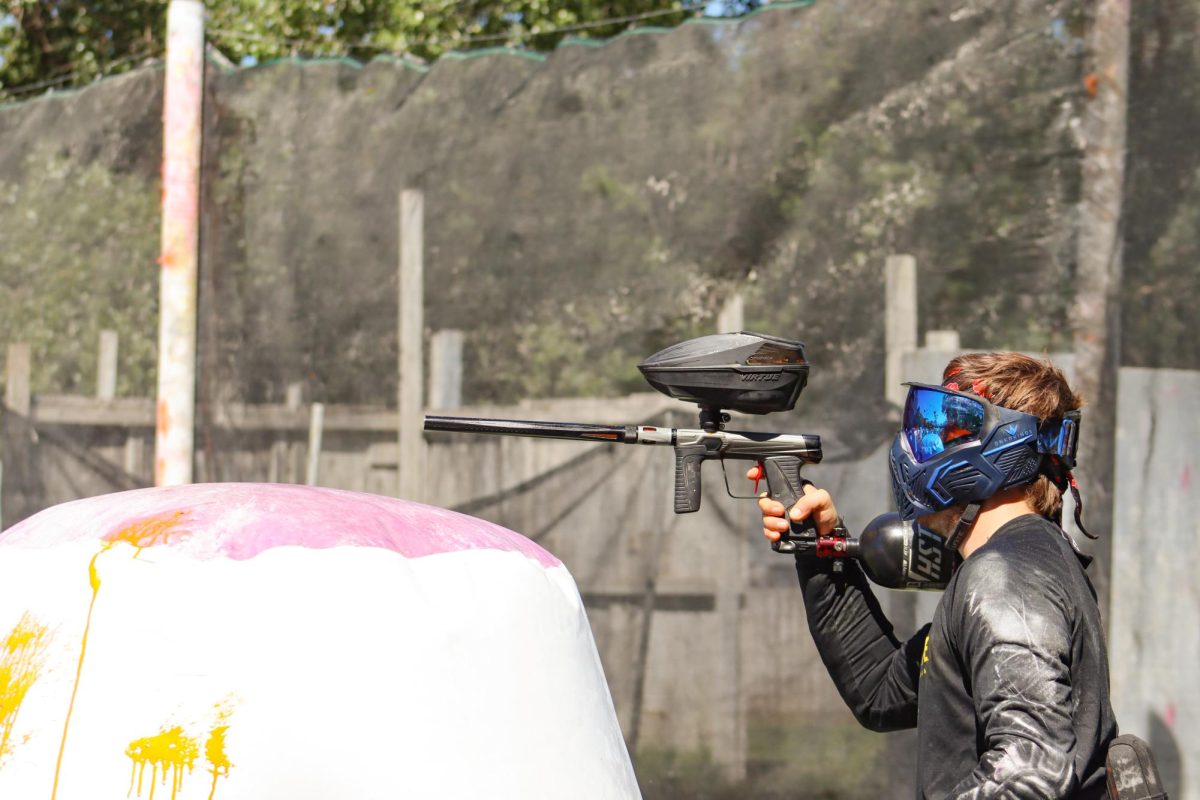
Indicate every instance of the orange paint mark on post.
{"type": "Point", "coordinates": [163, 417]}
{"type": "Point", "coordinates": [22, 655]}
{"type": "Point", "coordinates": [169, 751]}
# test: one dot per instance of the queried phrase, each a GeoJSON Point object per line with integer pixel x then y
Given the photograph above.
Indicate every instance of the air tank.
{"type": "Point", "coordinates": [902, 555]}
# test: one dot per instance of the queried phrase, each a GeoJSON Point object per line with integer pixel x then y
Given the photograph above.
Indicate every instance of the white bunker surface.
{"type": "Point", "coordinates": [230, 641]}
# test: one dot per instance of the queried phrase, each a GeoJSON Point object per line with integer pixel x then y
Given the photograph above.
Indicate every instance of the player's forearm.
{"type": "Point", "coordinates": [873, 671]}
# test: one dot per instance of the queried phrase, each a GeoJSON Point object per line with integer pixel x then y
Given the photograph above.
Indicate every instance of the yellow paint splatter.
{"type": "Point", "coordinates": [169, 751]}
{"type": "Point", "coordinates": [22, 654]}
{"type": "Point", "coordinates": [214, 748]}
{"type": "Point", "coordinates": [173, 752]}
{"type": "Point", "coordinates": [143, 533]}
{"type": "Point", "coordinates": [149, 532]}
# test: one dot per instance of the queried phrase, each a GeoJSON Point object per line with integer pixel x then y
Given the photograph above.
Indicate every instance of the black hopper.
{"type": "Point", "coordinates": [752, 373]}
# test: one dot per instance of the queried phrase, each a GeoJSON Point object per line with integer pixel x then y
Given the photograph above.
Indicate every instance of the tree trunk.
{"type": "Point", "coordinates": [1098, 279]}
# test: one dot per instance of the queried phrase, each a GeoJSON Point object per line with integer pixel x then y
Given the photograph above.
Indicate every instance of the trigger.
{"type": "Point", "coordinates": [758, 473]}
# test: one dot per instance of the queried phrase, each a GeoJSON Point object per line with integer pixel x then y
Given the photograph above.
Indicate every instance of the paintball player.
{"type": "Point", "coordinates": [1008, 686]}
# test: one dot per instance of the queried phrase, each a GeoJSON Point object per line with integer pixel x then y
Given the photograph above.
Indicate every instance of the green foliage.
{"type": "Point", "coordinates": [91, 267]}
{"type": "Point", "coordinates": [47, 44]}
{"type": "Point", "coordinates": [56, 43]}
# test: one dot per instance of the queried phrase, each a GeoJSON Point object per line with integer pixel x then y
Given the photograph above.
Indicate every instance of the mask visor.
{"type": "Point", "coordinates": [936, 420]}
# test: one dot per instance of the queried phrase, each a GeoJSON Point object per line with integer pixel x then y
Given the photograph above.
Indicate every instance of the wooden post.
{"type": "Point", "coordinates": [106, 366]}
{"type": "Point", "coordinates": [942, 341]}
{"type": "Point", "coordinates": [642, 656]}
{"type": "Point", "coordinates": [134, 454]}
{"type": "Point", "coordinates": [316, 429]}
{"type": "Point", "coordinates": [273, 473]}
{"type": "Point", "coordinates": [17, 390]}
{"type": "Point", "coordinates": [179, 254]}
{"type": "Point", "coordinates": [900, 337]}
{"type": "Point", "coordinates": [411, 444]}
{"type": "Point", "coordinates": [284, 454]}
{"type": "Point", "coordinates": [900, 323]}
{"type": "Point", "coordinates": [1097, 317]}
{"type": "Point", "coordinates": [730, 734]}
{"type": "Point", "coordinates": [445, 369]}
{"type": "Point", "coordinates": [289, 447]}
{"type": "Point", "coordinates": [732, 316]}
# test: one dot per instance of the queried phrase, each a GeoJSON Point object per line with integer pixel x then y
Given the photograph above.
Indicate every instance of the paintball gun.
{"type": "Point", "coordinates": [747, 372]}
{"type": "Point", "coordinates": [750, 373]}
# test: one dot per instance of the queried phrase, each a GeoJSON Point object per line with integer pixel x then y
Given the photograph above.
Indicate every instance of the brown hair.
{"type": "Point", "coordinates": [1022, 383]}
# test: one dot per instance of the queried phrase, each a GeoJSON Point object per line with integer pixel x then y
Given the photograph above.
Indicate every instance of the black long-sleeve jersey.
{"type": "Point", "coordinates": [1007, 687]}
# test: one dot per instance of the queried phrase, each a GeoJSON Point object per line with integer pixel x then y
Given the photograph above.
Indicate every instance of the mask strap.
{"type": "Point", "coordinates": [1078, 507]}
{"type": "Point", "coordinates": [962, 526]}
{"type": "Point", "coordinates": [1063, 478]}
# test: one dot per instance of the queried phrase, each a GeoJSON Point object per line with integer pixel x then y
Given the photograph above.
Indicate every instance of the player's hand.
{"type": "Point", "coordinates": [816, 504]}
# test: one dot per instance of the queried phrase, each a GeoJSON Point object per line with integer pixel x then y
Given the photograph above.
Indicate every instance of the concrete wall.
{"type": "Point", "coordinates": [1154, 646]}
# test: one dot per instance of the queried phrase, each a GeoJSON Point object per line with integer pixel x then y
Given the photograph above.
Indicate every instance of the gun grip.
{"type": "Point", "coordinates": [785, 485]}
{"type": "Point", "coordinates": [687, 478]}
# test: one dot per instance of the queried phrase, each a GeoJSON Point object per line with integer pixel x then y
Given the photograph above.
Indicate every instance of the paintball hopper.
{"type": "Point", "coordinates": [748, 372]}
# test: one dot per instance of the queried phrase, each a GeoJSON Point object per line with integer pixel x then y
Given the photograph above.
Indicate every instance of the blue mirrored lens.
{"type": "Point", "coordinates": [935, 421]}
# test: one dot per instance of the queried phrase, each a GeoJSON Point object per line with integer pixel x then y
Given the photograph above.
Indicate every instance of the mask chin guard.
{"type": "Point", "coordinates": [964, 524]}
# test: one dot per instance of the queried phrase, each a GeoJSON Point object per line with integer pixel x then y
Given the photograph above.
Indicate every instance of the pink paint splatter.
{"type": "Point", "coordinates": [241, 520]}
{"type": "Point", "coordinates": [1185, 480]}
{"type": "Point", "coordinates": [1169, 715]}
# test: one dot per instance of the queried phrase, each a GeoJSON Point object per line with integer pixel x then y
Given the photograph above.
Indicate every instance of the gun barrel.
{"type": "Point", "coordinates": [541, 430]}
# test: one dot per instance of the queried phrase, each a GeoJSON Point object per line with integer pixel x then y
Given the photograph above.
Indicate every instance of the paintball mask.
{"type": "Point", "coordinates": [957, 448]}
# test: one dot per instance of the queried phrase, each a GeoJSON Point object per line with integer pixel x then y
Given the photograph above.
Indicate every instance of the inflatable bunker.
{"type": "Point", "coordinates": [229, 641]}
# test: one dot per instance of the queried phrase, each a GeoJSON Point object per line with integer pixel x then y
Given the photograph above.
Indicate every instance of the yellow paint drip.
{"type": "Point", "coordinates": [170, 751]}
{"type": "Point", "coordinates": [22, 654]}
{"type": "Point", "coordinates": [141, 534]}
{"type": "Point", "coordinates": [214, 751]}
{"type": "Point", "coordinates": [214, 748]}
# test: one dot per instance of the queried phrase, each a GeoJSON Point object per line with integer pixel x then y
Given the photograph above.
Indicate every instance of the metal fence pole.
{"type": "Point", "coordinates": [179, 256]}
